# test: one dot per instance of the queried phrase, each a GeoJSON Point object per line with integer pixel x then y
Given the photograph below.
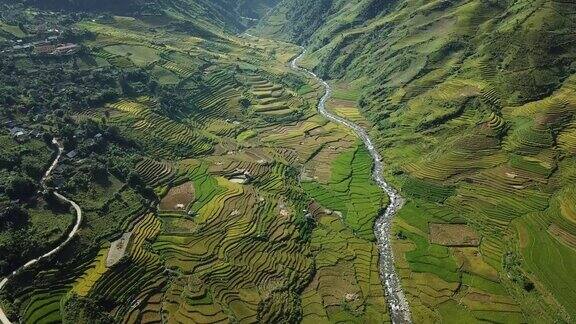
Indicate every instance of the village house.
{"type": "Point", "coordinates": [72, 154]}
{"type": "Point", "coordinates": [66, 49]}
{"type": "Point", "coordinates": [19, 134]}
{"type": "Point", "coordinates": [45, 49]}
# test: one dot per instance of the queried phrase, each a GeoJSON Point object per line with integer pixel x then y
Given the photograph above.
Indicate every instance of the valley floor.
{"type": "Point", "coordinates": [266, 209]}
{"type": "Point", "coordinates": [218, 184]}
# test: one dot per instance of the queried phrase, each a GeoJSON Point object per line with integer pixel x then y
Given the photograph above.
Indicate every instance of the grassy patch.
{"type": "Point", "coordinates": [351, 191]}
{"type": "Point", "coordinates": [139, 55]}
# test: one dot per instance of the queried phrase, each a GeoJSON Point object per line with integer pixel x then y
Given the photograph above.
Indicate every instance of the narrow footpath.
{"type": "Point", "coordinates": [398, 305]}
{"type": "Point", "coordinates": [78, 210]}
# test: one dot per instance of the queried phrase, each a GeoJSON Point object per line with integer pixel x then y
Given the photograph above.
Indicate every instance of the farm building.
{"type": "Point", "coordinates": [19, 134]}
{"type": "Point", "coordinates": [72, 154]}
{"type": "Point", "coordinates": [66, 49]}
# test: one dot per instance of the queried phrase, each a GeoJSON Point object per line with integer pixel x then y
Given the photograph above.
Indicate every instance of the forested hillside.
{"type": "Point", "coordinates": [254, 9]}
{"type": "Point", "coordinates": [229, 14]}
{"type": "Point", "coordinates": [473, 104]}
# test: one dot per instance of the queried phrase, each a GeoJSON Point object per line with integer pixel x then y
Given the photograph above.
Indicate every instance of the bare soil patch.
{"type": "Point", "coordinates": [118, 249]}
{"type": "Point", "coordinates": [453, 235]}
{"type": "Point", "coordinates": [563, 236]}
{"type": "Point", "coordinates": [178, 197]}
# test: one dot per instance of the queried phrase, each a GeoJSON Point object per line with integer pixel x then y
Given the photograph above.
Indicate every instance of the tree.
{"type": "Point", "coordinates": [20, 188]}
{"type": "Point", "coordinates": [53, 202]}
{"type": "Point", "coordinates": [13, 216]}
{"type": "Point", "coordinates": [401, 236]}
{"type": "Point", "coordinates": [86, 310]}
{"type": "Point", "coordinates": [134, 180]}
{"type": "Point", "coordinates": [528, 285]}
{"type": "Point", "coordinates": [90, 127]}
{"type": "Point", "coordinates": [245, 103]}
{"type": "Point", "coordinates": [153, 86]}
{"type": "Point", "coordinates": [31, 168]}
{"type": "Point", "coordinates": [96, 171]}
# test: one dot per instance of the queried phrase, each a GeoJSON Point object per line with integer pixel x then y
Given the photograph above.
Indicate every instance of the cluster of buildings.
{"type": "Point", "coordinates": [57, 50]}
{"type": "Point", "coordinates": [50, 46]}
{"type": "Point", "coordinates": [22, 135]}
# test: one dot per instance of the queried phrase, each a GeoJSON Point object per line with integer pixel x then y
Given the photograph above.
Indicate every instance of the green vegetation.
{"type": "Point", "coordinates": [139, 55]}
{"type": "Point", "coordinates": [188, 140]}
{"type": "Point", "coordinates": [351, 192]}
{"type": "Point", "coordinates": [346, 285]}
{"type": "Point", "coordinates": [204, 171]}
{"type": "Point", "coordinates": [473, 108]}
{"type": "Point", "coordinates": [15, 31]}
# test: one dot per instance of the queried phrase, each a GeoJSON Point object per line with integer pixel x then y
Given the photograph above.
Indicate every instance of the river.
{"type": "Point", "coordinates": [398, 305]}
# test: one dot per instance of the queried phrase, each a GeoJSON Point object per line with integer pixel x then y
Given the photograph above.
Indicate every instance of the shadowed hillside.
{"type": "Point", "coordinates": [225, 13]}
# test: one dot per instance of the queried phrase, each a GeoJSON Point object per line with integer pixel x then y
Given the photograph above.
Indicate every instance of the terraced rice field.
{"type": "Point", "coordinates": [350, 192]}
{"type": "Point", "coordinates": [42, 303]}
{"type": "Point", "coordinates": [279, 246]}
{"type": "Point", "coordinates": [294, 241]}
{"type": "Point", "coordinates": [346, 285]}
{"type": "Point", "coordinates": [238, 253]}
{"type": "Point", "coordinates": [161, 135]}
{"type": "Point", "coordinates": [178, 197]}
{"type": "Point", "coordinates": [139, 55]}
{"type": "Point", "coordinates": [487, 233]}
{"type": "Point", "coordinates": [496, 167]}
{"type": "Point", "coordinates": [271, 99]}
{"type": "Point", "coordinates": [154, 172]}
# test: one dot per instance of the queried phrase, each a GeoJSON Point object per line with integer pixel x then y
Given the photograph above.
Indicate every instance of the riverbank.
{"type": "Point", "coordinates": [398, 305]}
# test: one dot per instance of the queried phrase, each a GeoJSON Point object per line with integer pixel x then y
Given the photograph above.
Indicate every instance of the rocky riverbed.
{"type": "Point", "coordinates": [399, 309]}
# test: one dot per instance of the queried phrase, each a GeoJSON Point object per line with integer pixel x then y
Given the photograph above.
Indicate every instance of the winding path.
{"type": "Point", "coordinates": [399, 309]}
{"type": "Point", "coordinates": [78, 210]}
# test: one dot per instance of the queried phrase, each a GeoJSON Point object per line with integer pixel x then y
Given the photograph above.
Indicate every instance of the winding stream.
{"type": "Point", "coordinates": [399, 309]}
{"type": "Point", "coordinates": [3, 282]}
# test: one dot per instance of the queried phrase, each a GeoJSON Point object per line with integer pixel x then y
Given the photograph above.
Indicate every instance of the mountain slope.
{"type": "Point", "coordinates": [473, 105]}
{"type": "Point", "coordinates": [184, 145]}
{"type": "Point", "coordinates": [223, 13]}
{"type": "Point", "coordinates": [254, 9]}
